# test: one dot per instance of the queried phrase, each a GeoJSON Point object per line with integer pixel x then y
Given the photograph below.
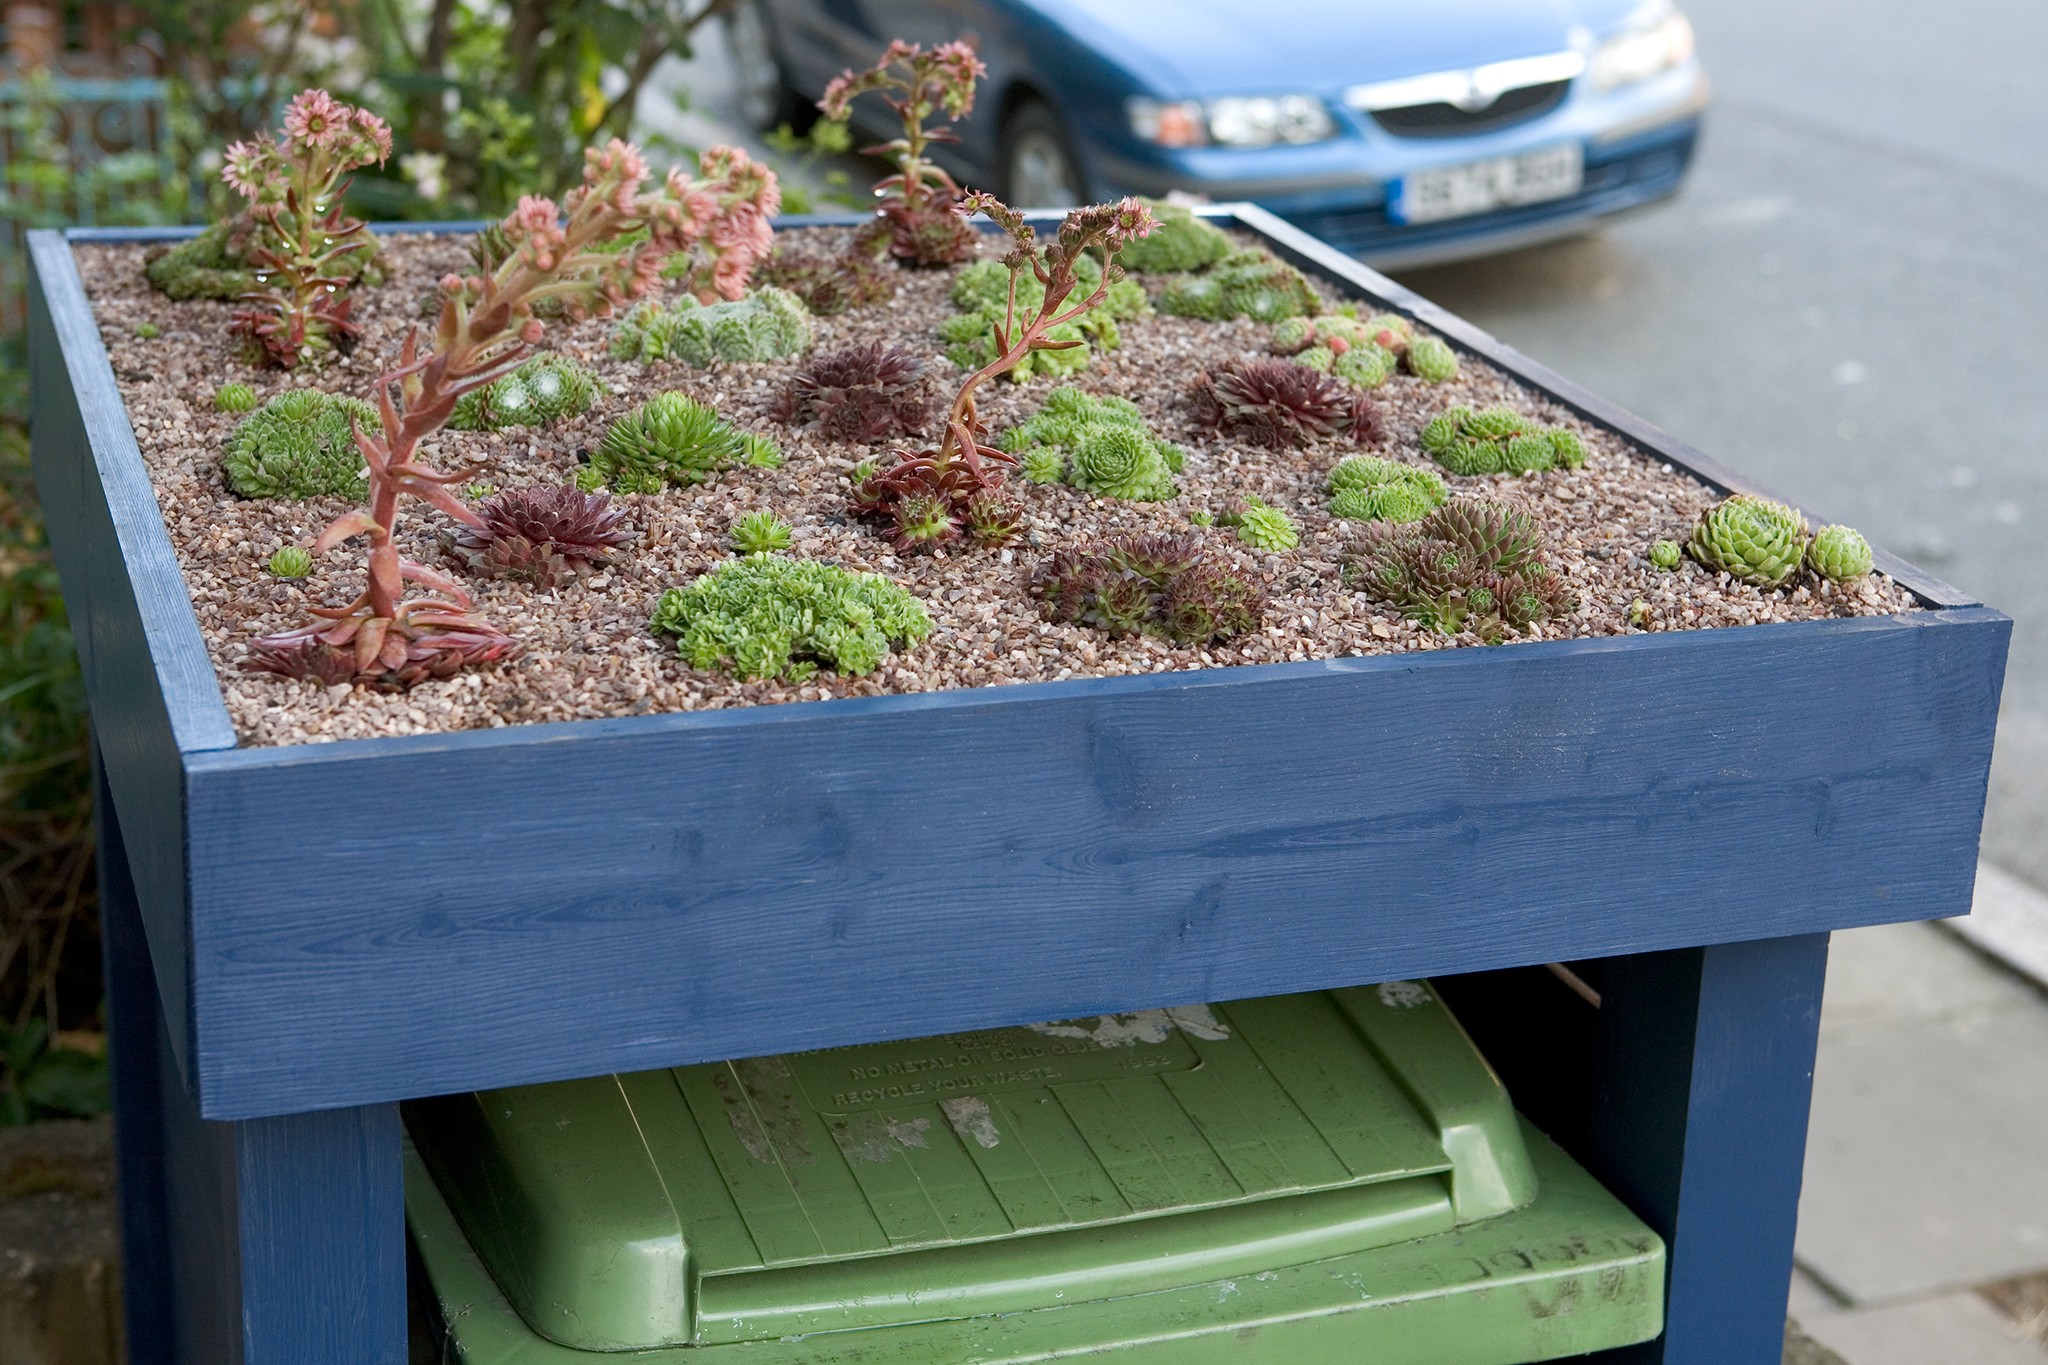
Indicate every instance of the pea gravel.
{"type": "Point", "coordinates": [585, 647]}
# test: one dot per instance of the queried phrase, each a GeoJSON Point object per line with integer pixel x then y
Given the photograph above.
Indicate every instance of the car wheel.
{"type": "Point", "coordinates": [763, 94]}
{"type": "Point", "coordinates": [1037, 165]}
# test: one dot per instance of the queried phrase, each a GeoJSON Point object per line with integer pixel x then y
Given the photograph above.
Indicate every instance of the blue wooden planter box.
{"type": "Point", "coordinates": [658, 890]}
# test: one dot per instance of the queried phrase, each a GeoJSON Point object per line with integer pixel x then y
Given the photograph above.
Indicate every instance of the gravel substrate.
{"type": "Point", "coordinates": [586, 650]}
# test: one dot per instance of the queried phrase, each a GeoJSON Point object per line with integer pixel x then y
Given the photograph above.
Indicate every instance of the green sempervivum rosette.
{"type": "Point", "coordinates": [292, 561]}
{"type": "Point", "coordinates": [1751, 539]}
{"type": "Point", "coordinates": [235, 398]}
{"type": "Point", "coordinates": [1265, 527]}
{"type": "Point", "coordinates": [1839, 554]}
{"type": "Point", "coordinates": [768, 616]}
{"type": "Point", "coordinates": [981, 291]}
{"type": "Point", "coordinates": [760, 533]}
{"type": "Point", "coordinates": [1432, 360]}
{"type": "Point", "coordinates": [1530, 453]}
{"type": "Point", "coordinates": [1117, 461]}
{"type": "Point", "coordinates": [1246, 284]}
{"type": "Point", "coordinates": [544, 389]}
{"type": "Point", "coordinates": [1097, 444]}
{"type": "Point", "coordinates": [1044, 464]}
{"type": "Point", "coordinates": [672, 439]}
{"type": "Point", "coordinates": [1368, 488]}
{"type": "Point", "coordinates": [768, 324]}
{"type": "Point", "coordinates": [300, 444]}
{"type": "Point", "coordinates": [1664, 554]}
{"type": "Point", "coordinates": [1181, 241]}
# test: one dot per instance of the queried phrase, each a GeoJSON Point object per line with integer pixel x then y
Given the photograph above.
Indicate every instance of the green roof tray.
{"type": "Point", "coordinates": [1332, 1176]}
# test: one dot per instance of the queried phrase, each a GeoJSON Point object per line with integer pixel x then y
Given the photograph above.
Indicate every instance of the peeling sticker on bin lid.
{"type": "Point", "coordinates": [1144, 1026]}
{"type": "Point", "coordinates": [1404, 995]}
{"type": "Point", "coordinates": [971, 1119]}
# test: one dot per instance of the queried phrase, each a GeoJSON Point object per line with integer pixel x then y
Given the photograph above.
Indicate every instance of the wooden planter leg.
{"type": "Point", "coordinates": [272, 1241]}
{"type": "Point", "coordinates": [1705, 1076]}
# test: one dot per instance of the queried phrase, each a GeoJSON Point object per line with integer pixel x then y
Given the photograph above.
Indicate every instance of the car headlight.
{"type": "Point", "coordinates": [1654, 40]}
{"type": "Point", "coordinates": [1233, 121]}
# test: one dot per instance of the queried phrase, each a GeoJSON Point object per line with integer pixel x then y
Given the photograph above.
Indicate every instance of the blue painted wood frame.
{"type": "Point", "coordinates": [274, 1241]}
{"type": "Point", "coordinates": [661, 889]}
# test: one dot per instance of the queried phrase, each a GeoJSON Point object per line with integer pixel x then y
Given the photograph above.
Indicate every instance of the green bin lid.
{"type": "Point", "coordinates": [975, 1173]}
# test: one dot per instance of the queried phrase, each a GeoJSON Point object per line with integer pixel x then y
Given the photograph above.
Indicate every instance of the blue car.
{"type": "Point", "coordinates": [1403, 133]}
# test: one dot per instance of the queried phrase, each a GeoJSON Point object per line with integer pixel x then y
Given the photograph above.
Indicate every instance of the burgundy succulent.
{"type": "Point", "coordinates": [1170, 585]}
{"type": "Point", "coordinates": [859, 394]}
{"type": "Point", "coordinates": [829, 284]}
{"type": "Point", "coordinates": [1274, 403]}
{"type": "Point", "coordinates": [541, 535]}
{"type": "Point", "coordinates": [303, 654]}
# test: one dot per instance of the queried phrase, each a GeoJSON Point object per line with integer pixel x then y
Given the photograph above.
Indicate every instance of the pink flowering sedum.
{"type": "Point", "coordinates": [487, 322]}
{"type": "Point", "coordinates": [916, 209]}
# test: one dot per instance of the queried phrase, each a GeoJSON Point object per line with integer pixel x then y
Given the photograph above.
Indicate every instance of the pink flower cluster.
{"type": "Point", "coordinates": [941, 78]}
{"type": "Point", "coordinates": [323, 140]}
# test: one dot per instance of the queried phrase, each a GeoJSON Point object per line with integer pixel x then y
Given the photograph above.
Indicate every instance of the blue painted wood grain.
{"type": "Point", "coordinates": [152, 687]}
{"type": "Point", "coordinates": [643, 892]}
{"type": "Point", "coordinates": [1704, 1081]}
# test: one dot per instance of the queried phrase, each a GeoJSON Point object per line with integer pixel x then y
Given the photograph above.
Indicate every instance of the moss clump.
{"type": "Point", "coordinates": [292, 561]}
{"type": "Point", "coordinates": [1753, 540]}
{"type": "Point", "coordinates": [299, 445]}
{"type": "Point", "coordinates": [234, 398]}
{"type": "Point", "coordinates": [1367, 488]}
{"type": "Point", "coordinates": [981, 292]}
{"type": "Point", "coordinates": [760, 533]}
{"type": "Point", "coordinates": [1252, 283]}
{"type": "Point", "coordinates": [212, 265]}
{"type": "Point", "coordinates": [672, 439]}
{"type": "Point", "coordinates": [768, 324]}
{"type": "Point", "coordinates": [1839, 554]}
{"type": "Point", "coordinates": [1263, 526]}
{"type": "Point", "coordinates": [1499, 441]}
{"type": "Point", "coordinates": [767, 616]}
{"type": "Point", "coordinates": [1181, 242]}
{"type": "Point", "coordinates": [544, 389]}
{"type": "Point", "coordinates": [1098, 445]}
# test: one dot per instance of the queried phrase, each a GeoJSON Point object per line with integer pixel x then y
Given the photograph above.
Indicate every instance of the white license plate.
{"type": "Point", "coordinates": [1498, 182]}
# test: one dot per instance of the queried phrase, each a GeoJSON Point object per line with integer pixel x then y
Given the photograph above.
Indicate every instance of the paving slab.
{"type": "Point", "coordinates": [2009, 919]}
{"type": "Point", "coordinates": [1925, 1167]}
{"type": "Point", "coordinates": [1952, 1329]}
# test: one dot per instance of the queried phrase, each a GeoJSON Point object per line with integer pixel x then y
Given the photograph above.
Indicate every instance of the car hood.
{"type": "Point", "coordinates": [1196, 48]}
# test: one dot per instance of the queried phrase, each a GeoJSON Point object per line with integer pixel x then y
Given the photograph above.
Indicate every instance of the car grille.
{"type": "Point", "coordinates": [1448, 120]}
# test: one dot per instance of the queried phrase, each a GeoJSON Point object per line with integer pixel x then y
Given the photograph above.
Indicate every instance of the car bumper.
{"type": "Point", "coordinates": [1637, 148]}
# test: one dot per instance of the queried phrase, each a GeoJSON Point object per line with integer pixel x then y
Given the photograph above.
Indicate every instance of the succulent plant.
{"type": "Point", "coordinates": [235, 398]}
{"type": "Point", "coordinates": [769, 616]}
{"type": "Point", "coordinates": [1390, 331]}
{"type": "Point", "coordinates": [544, 389]}
{"type": "Point", "coordinates": [147, 331]}
{"type": "Point", "coordinates": [915, 214]}
{"type": "Point", "coordinates": [674, 439]}
{"type": "Point", "coordinates": [541, 535]}
{"type": "Point", "coordinates": [982, 292]}
{"type": "Point", "coordinates": [1252, 283]}
{"type": "Point", "coordinates": [1498, 440]}
{"type": "Point", "coordinates": [1367, 488]}
{"type": "Point", "coordinates": [1275, 403]}
{"type": "Point", "coordinates": [760, 533]}
{"type": "Point", "coordinates": [1183, 241]}
{"type": "Point", "coordinates": [829, 284]}
{"type": "Point", "coordinates": [301, 444]}
{"type": "Point", "coordinates": [768, 324]}
{"type": "Point", "coordinates": [1168, 585]}
{"type": "Point", "coordinates": [1263, 526]}
{"type": "Point", "coordinates": [1337, 344]}
{"type": "Point", "coordinates": [1097, 444]}
{"type": "Point", "coordinates": [1431, 359]}
{"type": "Point", "coordinates": [860, 394]}
{"type": "Point", "coordinates": [212, 265]}
{"type": "Point", "coordinates": [1639, 614]}
{"type": "Point", "coordinates": [291, 561]}
{"type": "Point", "coordinates": [1753, 540]}
{"type": "Point", "coordinates": [1839, 554]}
{"type": "Point", "coordinates": [1665, 554]}
{"type": "Point", "coordinates": [1473, 564]}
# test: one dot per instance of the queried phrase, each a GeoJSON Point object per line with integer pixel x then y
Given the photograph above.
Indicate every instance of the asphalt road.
{"type": "Point", "coordinates": [1848, 304]}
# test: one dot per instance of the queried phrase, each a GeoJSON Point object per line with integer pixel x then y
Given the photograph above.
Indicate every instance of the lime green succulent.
{"type": "Point", "coordinates": [760, 533]}
{"type": "Point", "coordinates": [1263, 526]}
{"type": "Point", "coordinates": [768, 324]}
{"type": "Point", "coordinates": [299, 445]}
{"type": "Point", "coordinates": [1839, 554]}
{"type": "Point", "coordinates": [1432, 360]}
{"type": "Point", "coordinates": [235, 398]}
{"type": "Point", "coordinates": [292, 561]}
{"type": "Point", "coordinates": [1099, 445]}
{"type": "Point", "coordinates": [1181, 241]}
{"type": "Point", "coordinates": [1751, 539]}
{"type": "Point", "coordinates": [672, 439]}
{"type": "Point", "coordinates": [1368, 488]}
{"type": "Point", "coordinates": [1664, 554]}
{"type": "Point", "coordinates": [769, 616]}
{"type": "Point", "coordinates": [544, 389]}
{"type": "Point", "coordinates": [1499, 440]}
{"type": "Point", "coordinates": [147, 331]}
{"type": "Point", "coordinates": [1252, 283]}
{"type": "Point", "coordinates": [981, 292]}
